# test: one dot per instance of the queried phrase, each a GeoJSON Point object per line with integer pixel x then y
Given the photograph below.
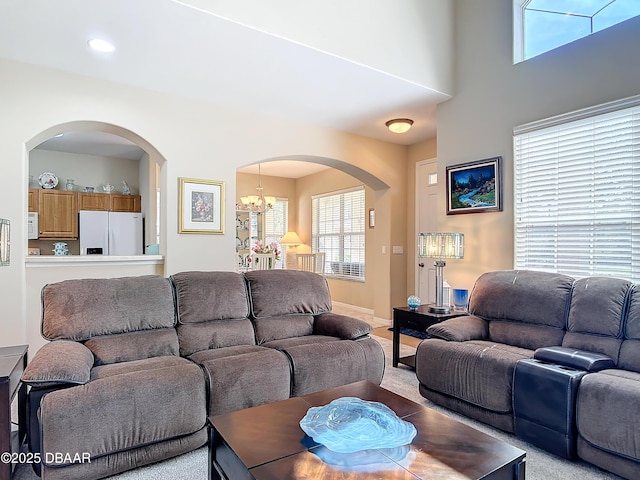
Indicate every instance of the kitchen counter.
{"type": "Point", "coordinates": [91, 260]}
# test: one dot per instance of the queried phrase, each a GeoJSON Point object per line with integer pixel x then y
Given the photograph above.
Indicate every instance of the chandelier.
{"type": "Point", "coordinates": [258, 203]}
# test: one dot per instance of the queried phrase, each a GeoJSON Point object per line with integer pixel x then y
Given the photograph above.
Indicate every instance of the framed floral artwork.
{"type": "Point", "coordinates": [201, 206]}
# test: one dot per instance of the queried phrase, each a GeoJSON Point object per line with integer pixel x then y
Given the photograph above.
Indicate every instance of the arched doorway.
{"type": "Point", "coordinates": [93, 155]}
{"type": "Point", "coordinates": [372, 293]}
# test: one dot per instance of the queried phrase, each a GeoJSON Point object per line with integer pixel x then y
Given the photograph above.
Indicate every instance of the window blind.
{"type": "Point", "coordinates": [577, 193]}
{"type": "Point", "coordinates": [338, 230]}
{"type": "Point", "coordinates": [276, 221]}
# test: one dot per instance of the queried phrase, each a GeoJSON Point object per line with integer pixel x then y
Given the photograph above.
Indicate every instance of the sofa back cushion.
{"type": "Point", "coordinates": [213, 310]}
{"type": "Point", "coordinates": [126, 347]}
{"type": "Point", "coordinates": [284, 302]}
{"type": "Point", "coordinates": [118, 319]}
{"type": "Point", "coordinates": [596, 316]}
{"type": "Point", "coordinates": [279, 327]}
{"type": "Point", "coordinates": [82, 309]}
{"type": "Point", "coordinates": [630, 348]}
{"type": "Point", "coordinates": [524, 308]}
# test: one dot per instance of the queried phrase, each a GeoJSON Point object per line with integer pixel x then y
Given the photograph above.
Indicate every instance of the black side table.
{"type": "Point", "coordinates": [420, 319]}
{"type": "Point", "coordinates": [13, 361]}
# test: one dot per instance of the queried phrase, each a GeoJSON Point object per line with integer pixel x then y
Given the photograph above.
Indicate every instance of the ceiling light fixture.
{"type": "Point", "coordinates": [399, 125]}
{"type": "Point", "coordinates": [101, 45]}
{"type": "Point", "coordinates": [258, 203]}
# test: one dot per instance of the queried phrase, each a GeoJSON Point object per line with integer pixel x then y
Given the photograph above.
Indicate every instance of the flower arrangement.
{"type": "Point", "coordinates": [261, 247]}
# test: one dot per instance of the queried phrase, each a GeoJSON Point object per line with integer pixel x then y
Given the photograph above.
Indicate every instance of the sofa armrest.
{"type": "Point", "coordinates": [58, 363]}
{"type": "Point", "coordinates": [341, 326]}
{"type": "Point", "coordinates": [571, 357]}
{"type": "Point", "coordinates": [460, 329]}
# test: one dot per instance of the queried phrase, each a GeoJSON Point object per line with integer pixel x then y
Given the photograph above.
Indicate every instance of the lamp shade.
{"type": "Point", "coordinates": [290, 238]}
{"type": "Point", "coordinates": [441, 245]}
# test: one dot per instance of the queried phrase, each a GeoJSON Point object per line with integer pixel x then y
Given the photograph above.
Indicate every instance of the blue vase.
{"type": "Point", "coordinates": [413, 302]}
{"type": "Point", "coordinates": [460, 298]}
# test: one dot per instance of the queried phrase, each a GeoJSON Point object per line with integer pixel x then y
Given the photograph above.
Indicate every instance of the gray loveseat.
{"type": "Point", "coordinates": [585, 337]}
{"type": "Point", "coordinates": [135, 364]}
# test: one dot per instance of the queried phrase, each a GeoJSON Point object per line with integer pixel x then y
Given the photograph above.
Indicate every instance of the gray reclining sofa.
{"type": "Point", "coordinates": [135, 365]}
{"type": "Point", "coordinates": [552, 359]}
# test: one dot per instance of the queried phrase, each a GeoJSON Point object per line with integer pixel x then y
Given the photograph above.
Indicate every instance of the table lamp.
{"type": "Point", "coordinates": [290, 241]}
{"type": "Point", "coordinates": [440, 246]}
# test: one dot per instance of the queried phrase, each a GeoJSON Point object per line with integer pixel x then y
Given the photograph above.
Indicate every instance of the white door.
{"type": "Point", "coordinates": [426, 221]}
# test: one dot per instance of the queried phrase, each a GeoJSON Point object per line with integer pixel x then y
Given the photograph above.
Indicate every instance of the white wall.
{"type": "Point", "coordinates": [493, 95]}
{"type": "Point", "coordinates": [411, 39]}
{"type": "Point", "coordinates": [192, 139]}
{"type": "Point", "coordinates": [86, 170]}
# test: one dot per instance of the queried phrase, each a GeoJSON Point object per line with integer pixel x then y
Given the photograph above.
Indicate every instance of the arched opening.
{"type": "Point", "coordinates": [94, 158]}
{"type": "Point", "coordinates": [298, 192]}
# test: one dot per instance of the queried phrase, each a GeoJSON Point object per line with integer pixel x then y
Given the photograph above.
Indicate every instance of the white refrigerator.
{"type": "Point", "coordinates": [110, 233]}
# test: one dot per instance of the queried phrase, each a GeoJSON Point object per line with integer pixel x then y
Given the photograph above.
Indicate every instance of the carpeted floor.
{"type": "Point", "coordinates": [540, 464]}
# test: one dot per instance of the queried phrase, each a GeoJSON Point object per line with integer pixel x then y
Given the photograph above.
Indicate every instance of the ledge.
{"type": "Point", "coordinates": [91, 260]}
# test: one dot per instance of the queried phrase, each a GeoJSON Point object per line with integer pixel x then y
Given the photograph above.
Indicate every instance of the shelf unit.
{"type": "Point", "coordinates": [249, 229]}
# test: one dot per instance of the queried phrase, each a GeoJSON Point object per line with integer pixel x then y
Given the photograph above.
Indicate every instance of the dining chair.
{"type": "Point", "coordinates": [311, 262]}
{"type": "Point", "coordinates": [263, 261]}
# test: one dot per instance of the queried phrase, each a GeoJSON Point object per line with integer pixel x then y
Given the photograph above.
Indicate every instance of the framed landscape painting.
{"type": "Point", "coordinates": [201, 206]}
{"type": "Point", "coordinates": [474, 187]}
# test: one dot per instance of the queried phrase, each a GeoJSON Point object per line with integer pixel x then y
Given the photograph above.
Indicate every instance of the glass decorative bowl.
{"type": "Point", "coordinates": [413, 302]}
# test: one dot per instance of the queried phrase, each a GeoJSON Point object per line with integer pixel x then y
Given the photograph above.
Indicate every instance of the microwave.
{"type": "Point", "coordinates": [32, 225]}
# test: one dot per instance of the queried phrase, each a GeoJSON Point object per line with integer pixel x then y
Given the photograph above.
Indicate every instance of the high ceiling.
{"type": "Point", "coordinates": [170, 47]}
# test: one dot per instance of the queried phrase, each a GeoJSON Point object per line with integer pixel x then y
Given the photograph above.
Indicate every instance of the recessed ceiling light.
{"type": "Point", "coordinates": [399, 125]}
{"type": "Point", "coordinates": [101, 45]}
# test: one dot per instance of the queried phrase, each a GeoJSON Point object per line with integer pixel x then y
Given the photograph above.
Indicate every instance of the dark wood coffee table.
{"type": "Point", "coordinates": [267, 443]}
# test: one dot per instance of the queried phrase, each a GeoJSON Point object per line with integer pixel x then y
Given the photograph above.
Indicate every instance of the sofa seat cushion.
{"type": "Point", "coordinates": [328, 364]}
{"type": "Point", "coordinates": [285, 343]}
{"type": "Point", "coordinates": [121, 410]}
{"type": "Point", "coordinates": [478, 372]}
{"type": "Point", "coordinates": [243, 380]}
{"type": "Point", "coordinates": [214, 353]}
{"type": "Point", "coordinates": [126, 347]}
{"type": "Point", "coordinates": [143, 365]}
{"type": "Point", "coordinates": [607, 399]}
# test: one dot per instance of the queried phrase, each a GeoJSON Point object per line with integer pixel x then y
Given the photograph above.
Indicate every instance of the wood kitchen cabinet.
{"type": "Point", "coordinates": [93, 201]}
{"type": "Point", "coordinates": [125, 203]}
{"type": "Point", "coordinates": [33, 199]}
{"type": "Point", "coordinates": [109, 202]}
{"type": "Point", "coordinates": [57, 214]}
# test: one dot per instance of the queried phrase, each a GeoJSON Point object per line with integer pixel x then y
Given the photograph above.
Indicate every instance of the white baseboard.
{"type": "Point", "coordinates": [368, 311]}
{"type": "Point", "coordinates": [365, 311]}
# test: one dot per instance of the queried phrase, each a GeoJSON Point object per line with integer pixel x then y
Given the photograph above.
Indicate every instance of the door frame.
{"type": "Point", "coordinates": [419, 184]}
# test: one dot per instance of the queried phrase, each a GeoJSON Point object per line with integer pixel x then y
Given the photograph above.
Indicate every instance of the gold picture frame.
{"type": "Point", "coordinates": [201, 208]}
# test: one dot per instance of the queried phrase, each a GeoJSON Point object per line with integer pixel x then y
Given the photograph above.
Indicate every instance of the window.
{"type": "Point", "coordinates": [577, 192]}
{"type": "Point", "coordinates": [337, 229]}
{"type": "Point", "coordinates": [276, 221]}
{"type": "Point", "coordinates": [542, 25]}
